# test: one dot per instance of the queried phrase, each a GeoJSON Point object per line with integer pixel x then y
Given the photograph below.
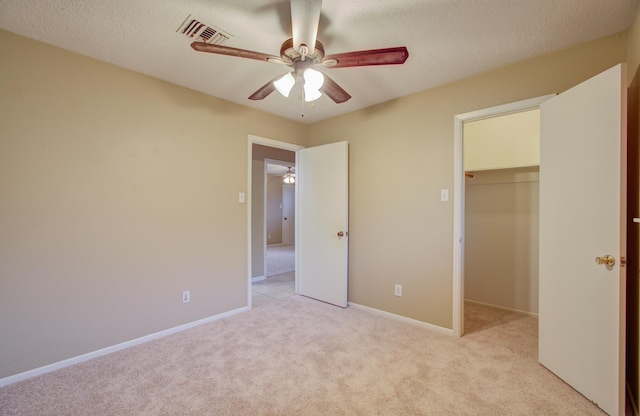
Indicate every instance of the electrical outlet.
{"type": "Point", "coordinates": [398, 290]}
{"type": "Point", "coordinates": [186, 296]}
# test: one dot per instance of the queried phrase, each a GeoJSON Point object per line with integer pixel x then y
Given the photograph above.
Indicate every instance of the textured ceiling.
{"type": "Point", "coordinates": [279, 170]}
{"type": "Point", "coordinates": [447, 40]}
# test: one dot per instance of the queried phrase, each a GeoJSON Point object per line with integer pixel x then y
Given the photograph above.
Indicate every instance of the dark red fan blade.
{"type": "Point", "coordinates": [240, 53]}
{"type": "Point", "coordinates": [387, 56]}
{"type": "Point", "coordinates": [265, 90]}
{"type": "Point", "coordinates": [334, 91]}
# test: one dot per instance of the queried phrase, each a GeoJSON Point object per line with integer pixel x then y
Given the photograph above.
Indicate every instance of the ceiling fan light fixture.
{"type": "Point", "coordinates": [313, 81]}
{"type": "Point", "coordinates": [311, 94]}
{"type": "Point", "coordinates": [313, 78]}
{"type": "Point", "coordinates": [285, 84]}
{"type": "Point", "coordinates": [300, 53]}
{"type": "Point", "coordinates": [289, 177]}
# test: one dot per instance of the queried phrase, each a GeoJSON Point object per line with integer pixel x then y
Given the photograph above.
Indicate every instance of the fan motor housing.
{"type": "Point", "coordinates": [289, 54]}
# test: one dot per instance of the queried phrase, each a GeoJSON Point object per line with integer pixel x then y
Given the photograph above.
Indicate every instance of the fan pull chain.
{"type": "Point", "coordinates": [302, 103]}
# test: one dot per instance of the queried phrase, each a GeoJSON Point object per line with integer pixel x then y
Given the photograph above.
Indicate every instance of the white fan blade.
{"type": "Point", "coordinates": [305, 16]}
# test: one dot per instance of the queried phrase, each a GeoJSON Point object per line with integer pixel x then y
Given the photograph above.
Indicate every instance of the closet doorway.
{"type": "Point", "coordinates": [501, 163]}
{"type": "Point", "coordinates": [506, 171]}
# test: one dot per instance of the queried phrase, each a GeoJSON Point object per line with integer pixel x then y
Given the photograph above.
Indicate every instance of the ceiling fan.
{"type": "Point", "coordinates": [302, 53]}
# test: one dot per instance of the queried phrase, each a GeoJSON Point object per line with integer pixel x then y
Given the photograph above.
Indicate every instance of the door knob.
{"type": "Point", "coordinates": [342, 233]}
{"type": "Point", "coordinates": [607, 260]}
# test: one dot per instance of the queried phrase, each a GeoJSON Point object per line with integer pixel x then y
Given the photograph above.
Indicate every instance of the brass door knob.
{"type": "Point", "coordinates": [342, 233]}
{"type": "Point", "coordinates": [607, 260]}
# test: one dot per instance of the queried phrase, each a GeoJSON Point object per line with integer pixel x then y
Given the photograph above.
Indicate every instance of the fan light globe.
{"type": "Point", "coordinates": [313, 78]}
{"type": "Point", "coordinates": [311, 94]}
{"type": "Point", "coordinates": [285, 84]}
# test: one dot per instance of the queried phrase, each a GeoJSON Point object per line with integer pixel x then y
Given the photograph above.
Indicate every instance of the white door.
{"type": "Point", "coordinates": [288, 213]}
{"type": "Point", "coordinates": [322, 223]}
{"type": "Point", "coordinates": [582, 216]}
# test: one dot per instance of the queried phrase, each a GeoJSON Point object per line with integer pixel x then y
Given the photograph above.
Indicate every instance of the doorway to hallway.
{"type": "Point", "coordinates": [272, 247]}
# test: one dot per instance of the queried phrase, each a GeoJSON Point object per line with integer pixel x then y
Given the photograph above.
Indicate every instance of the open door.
{"type": "Point", "coordinates": [582, 218]}
{"type": "Point", "coordinates": [322, 248]}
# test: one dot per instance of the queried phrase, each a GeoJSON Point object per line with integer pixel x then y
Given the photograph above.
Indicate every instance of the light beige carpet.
{"type": "Point", "coordinates": [280, 259]}
{"type": "Point", "coordinates": [303, 357]}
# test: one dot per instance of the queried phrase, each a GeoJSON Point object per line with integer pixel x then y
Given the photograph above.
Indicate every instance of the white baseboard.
{"type": "Point", "coordinates": [532, 314]}
{"type": "Point", "coordinates": [258, 278]}
{"type": "Point", "coordinates": [401, 318]}
{"type": "Point", "coordinates": [108, 350]}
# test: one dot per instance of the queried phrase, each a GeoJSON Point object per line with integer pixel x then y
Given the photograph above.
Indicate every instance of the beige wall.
{"type": "Point", "coordinates": [502, 142]}
{"type": "Point", "coordinates": [501, 238]}
{"type": "Point", "coordinates": [258, 238]}
{"type": "Point", "coordinates": [401, 156]}
{"type": "Point", "coordinates": [116, 194]}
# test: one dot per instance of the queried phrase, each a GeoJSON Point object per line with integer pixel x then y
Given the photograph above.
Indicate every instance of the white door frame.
{"type": "Point", "coordinates": [251, 140]}
{"type": "Point", "coordinates": [458, 195]}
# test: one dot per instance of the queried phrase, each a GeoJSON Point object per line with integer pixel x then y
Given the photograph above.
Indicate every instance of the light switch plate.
{"type": "Point", "coordinates": [444, 195]}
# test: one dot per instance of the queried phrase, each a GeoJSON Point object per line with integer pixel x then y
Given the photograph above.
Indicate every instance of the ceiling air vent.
{"type": "Point", "coordinates": [202, 32]}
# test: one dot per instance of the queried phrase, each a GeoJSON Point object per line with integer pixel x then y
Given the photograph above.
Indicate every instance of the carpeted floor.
{"type": "Point", "coordinates": [280, 259]}
{"type": "Point", "coordinates": [303, 357]}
